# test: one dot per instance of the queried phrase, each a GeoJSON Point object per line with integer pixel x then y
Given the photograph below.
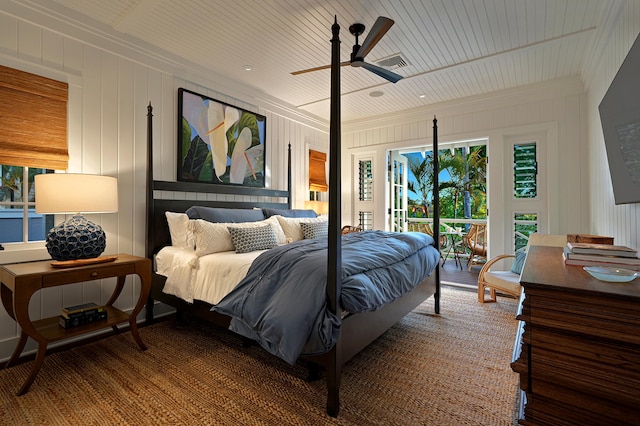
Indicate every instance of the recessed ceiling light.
{"type": "Point", "coordinates": [376, 94]}
{"type": "Point", "coordinates": [422, 96]}
{"type": "Point", "coordinates": [248, 68]}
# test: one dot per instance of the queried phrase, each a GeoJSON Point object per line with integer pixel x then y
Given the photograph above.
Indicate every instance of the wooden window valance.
{"type": "Point", "coordinates": [33, 120]}
{"type": "Point", "coordinates": [317, 171]}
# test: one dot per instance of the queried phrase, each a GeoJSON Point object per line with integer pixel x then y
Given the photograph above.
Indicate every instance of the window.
{"type": "Point", "coordinates": [525, 171]}
{"type": "Point", "coordinates": [364, 202]}
{"type": "Point", "coordinates": [365, 179]}
{"type": "Point", "coordinates": [33, 139]}
{"type": "Point", "coordinates": [19, 222]}
{"type": "Point", "coordinates": [365, 220]}
{"type": "Point", "coordinates": [524, 224]}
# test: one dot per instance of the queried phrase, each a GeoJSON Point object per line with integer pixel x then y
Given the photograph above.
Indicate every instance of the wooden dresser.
{"type": "Point", "coordinates": [578, 349]}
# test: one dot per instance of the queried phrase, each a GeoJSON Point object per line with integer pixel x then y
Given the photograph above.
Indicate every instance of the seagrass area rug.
{"type": "Point", "coordinates": [447, 369]}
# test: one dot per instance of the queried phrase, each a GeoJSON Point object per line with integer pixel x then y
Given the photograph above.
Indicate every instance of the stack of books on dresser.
{"type": "Point", "coordinates": [86, 313]}
{"type": "Point", "coordinates": [591, 254]}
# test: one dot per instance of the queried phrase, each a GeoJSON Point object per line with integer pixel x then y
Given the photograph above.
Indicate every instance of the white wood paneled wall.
{"type": "Point", "coordinates": [110, 88]}
{"type": "Point", "coordinates": [622, 221]}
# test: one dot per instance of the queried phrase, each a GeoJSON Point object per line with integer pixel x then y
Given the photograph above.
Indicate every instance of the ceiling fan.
{"type": "Point", "coordinates": [359, 52]}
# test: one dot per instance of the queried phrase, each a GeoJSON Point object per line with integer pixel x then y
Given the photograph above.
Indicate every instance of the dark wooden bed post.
{"type": "Point", "coordinates": [149, 242]}
{"type": "Point", "coordinates": [289, 174]}
{"type": "Point", "coordinates": [436, 210]}
{"type": "Point", "coordinates": [149, 203]}
{"type": "Point", "coordinates": [334, 256]}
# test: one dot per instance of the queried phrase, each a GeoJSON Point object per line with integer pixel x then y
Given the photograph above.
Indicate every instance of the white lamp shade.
{"type": "Point", "coordinates": [69, 193]}
{"type": "Point", "coordinates": [320, 207]}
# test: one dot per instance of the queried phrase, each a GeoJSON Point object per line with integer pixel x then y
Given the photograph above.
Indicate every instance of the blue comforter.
{"type": "Point", "coordinates": [282, 302]}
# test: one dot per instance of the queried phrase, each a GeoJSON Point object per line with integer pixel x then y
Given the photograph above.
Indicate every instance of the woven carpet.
{"type": "Point", "coordinates": [447, 369]}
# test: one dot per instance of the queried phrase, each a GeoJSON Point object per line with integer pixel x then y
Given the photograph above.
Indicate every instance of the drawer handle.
{"type": "Point", "coordinates": [94, 274]}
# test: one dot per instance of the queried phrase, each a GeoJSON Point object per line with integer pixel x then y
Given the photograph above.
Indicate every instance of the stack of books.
{"type": "Point", "coordinates": [590, 254]}
{"type": "Point", "coordinates": [588, 238]}
{"type": "Point", "coordinates": [87, 313]}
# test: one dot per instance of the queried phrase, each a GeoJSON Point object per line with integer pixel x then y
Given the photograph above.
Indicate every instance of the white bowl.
{"type": "Point", "coordinates": [614, 275]}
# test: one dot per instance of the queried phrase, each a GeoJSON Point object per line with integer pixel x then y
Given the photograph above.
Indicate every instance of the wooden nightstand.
{"type": "Point", "coordinates": [19, 281]}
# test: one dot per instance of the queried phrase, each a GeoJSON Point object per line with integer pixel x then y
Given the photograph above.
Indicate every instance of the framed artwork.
{"type": "Point", "coordinates": [219, 143]}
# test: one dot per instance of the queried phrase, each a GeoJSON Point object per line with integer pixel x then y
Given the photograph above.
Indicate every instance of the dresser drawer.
{"type": "Point", "coordinates": [71, 275]}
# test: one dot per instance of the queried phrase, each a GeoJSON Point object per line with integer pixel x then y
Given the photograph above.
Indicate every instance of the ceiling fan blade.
{"type": "Point", "coordinates": [378, 30]}
{"type": "Point", "coordinates": [324, 67]}
{"type": "Point", "coordinates": [382, 72]}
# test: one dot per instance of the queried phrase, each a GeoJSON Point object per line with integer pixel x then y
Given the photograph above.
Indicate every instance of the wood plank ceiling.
{"type": "Point", "coordinates": [452, 48]}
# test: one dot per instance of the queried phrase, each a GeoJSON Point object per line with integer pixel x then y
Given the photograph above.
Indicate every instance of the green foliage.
{"type": "Point", "coordinates": [196, 156]}
{"type": "Point", "coordinates": [466, 186]}
{"type": "Point", "coordinates": [423, 172]}
{"type": "Point", "coordinates": [186, 139]}
{"type": "Point", "coordinates": [246, 120]}
{"type": "Point", "coordinates": [13, 187]}
{"type": "Point", "coordinates": [196, 162]}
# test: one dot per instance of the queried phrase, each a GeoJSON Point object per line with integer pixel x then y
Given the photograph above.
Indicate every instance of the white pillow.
{"type": "Point", "coordinates": [211, 237]}
{"type": "Point", "coordinates": [275, 224]}
{"type": "Point", "coordinates": [291, 225]}
{"type": "Point", "coordinates": [215, 237]}
{"type": "Point", "coordinates": [181, 234]}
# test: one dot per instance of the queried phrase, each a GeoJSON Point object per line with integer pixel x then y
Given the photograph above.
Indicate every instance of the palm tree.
{"type": "Point", "coordinates": [468, 174]}
{"type": "Point", "coordinates": [467, 180]}
{"type": "Point", "coordinates": [477, 177]}
{"type": "Point", "coordinates": [423, 172]}
{"type": "Point", "coordinates": [455, 167]}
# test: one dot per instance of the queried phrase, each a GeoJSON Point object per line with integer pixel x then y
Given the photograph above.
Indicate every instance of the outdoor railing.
{"type": "Point", "coordinates": [452, 233]}
{"type": "Point", "coordinates": [417, 224]}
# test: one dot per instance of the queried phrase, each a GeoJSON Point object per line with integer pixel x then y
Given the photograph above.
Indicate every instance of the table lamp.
{"type": "Point", "coordinates": [320, 207]}
{"type": "Point", "coordinates": [68, 193]}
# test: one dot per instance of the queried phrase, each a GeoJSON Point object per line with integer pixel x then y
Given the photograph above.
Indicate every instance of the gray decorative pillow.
{"type": "Point", "coordinates": [252, 239]}
{"type": "Point", "coordinates": [518, 262]}
{"type": "Point", "coordinates": [315, 230]}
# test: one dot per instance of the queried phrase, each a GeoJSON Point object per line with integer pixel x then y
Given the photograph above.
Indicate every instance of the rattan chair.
{"type": "Point", "coordinates": [476, 242]}
{"type": "Point", "coordinates": [348, 229]}
{"type": "Point", "coordinates": [508, 282]}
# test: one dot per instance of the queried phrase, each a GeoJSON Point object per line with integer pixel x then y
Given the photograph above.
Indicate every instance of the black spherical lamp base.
{"type": "Point", "coordinates": [77, 238]}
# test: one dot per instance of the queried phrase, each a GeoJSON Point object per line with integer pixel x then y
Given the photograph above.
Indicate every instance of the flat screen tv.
{"type": "Point", "coordinates": [620, 117]}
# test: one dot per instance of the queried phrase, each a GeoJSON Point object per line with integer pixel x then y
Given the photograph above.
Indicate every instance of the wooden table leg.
{"type": "Point", "coordinates": [21, 311]}
{"type": "Point", "coordinates": [37, 364]}
{"type": "Point", "coordinates": [145, 287]}
{"type": "Point", "coordinates": [114, 296]}
{"type": "Point", "coordinates": [117, 290]}
{"type": "Point", "coordinates": [18, 350]}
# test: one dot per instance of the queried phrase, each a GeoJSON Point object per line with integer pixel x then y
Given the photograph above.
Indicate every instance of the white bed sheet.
{"type": "Point", "coordinates": [208, 278]}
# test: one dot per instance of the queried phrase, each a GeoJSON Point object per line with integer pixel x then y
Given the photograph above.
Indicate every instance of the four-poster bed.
{"type": "Point", "coordinates": [353, 331]}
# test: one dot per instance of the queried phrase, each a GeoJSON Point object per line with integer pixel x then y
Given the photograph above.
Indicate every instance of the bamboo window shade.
{"type": "Point", "coordinates": [33, 120]}
{"type": "Point", "coordinates": [317, 171]}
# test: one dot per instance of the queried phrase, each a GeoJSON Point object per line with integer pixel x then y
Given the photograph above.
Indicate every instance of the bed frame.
{"type": "Point", "coordinates": [357, 330]}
